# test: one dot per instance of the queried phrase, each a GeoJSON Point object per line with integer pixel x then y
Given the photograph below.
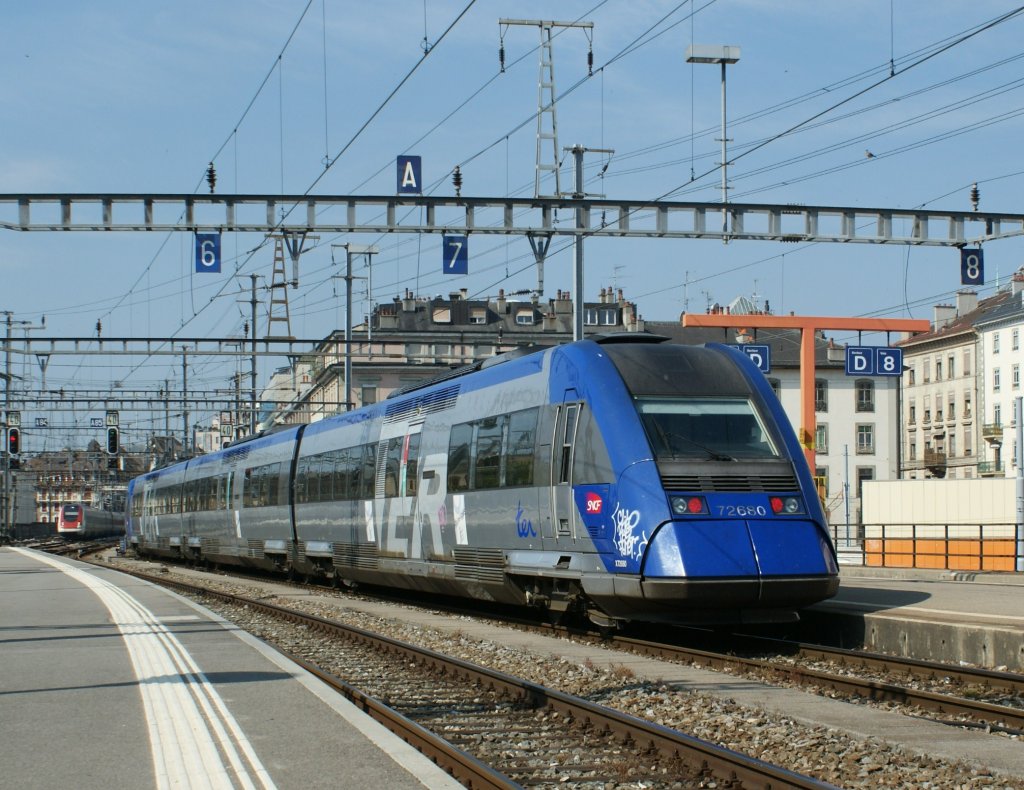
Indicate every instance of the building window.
{"type": "Point", "coordinates": [996, 379]}
{"type": "Point", "coordinates": [368, 394]}
{"type": "Point", "coordinates": [927, 373]}
{"type": "Point", "coordinates": [938, 370]}
{"type": "Point", "coordinates": [912, 413]}
{"type": "Point", "coordinates": [478, 315]}
{"type": "Point", "coordinates": [995, 342]}
{"type": "Point", "coordinates": [442, 315]}
{"type": "Point", "coordinates": [949, 367]}
{"type": "Point", "coordinates": [912, 450]}
{"type": "Point", "coordinates": [997, 414]}
{"type": "Point", "coordinates": [911, 377]}
{"type": "Point", "coordinates": [865, 439]}
{"type": "Point", "coordinates": [590, 316]}
{"type": "Point", "coordinates": [967, 442]}
{"type": "Point", "coordinates": [1015, 339]}
{"type": "Point", "coordinates": [967, 404]}
{"type": "Point", "coordinates": [951, 411]}
{"type": "Point", "coordinates": [865, 395]}
{"type": "Point", "coordinates": [820, 395]}
{"type": "Point", "coordinates": [1015, 377]}
{"type": "Point", "coordinates": [967, 362]}
{"type": "Point", "coordinates": [821, 439]}
{"type": "Point", "coordinates": [951, 448]}
{"type": "Point", "coordinates": [608, 316]}
{"type": "Point", "coordinates": [938, 409]}
{"type": "Point", "coordinates": [927, 409]}
{"type": "Point", "coordinates": [864, 473]}
{"type": "Point", "coordinates": [525, 317]}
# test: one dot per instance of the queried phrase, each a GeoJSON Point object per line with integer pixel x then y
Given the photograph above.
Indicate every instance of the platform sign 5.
{"type": "Point", "coordinates": [888, 361]}
{"type": "Point", "coordinates": [760, 355]}
{"type": "Point", "coordinates": [860, 361]}
{"type": "Point", "coordinates": [207, 252]}
{"type": "Point", "coordinates": [455, 254]}
{"type": "Point", "coordinates": [972, 266]}
{"type": "Point", "coordinates": [410, 171]}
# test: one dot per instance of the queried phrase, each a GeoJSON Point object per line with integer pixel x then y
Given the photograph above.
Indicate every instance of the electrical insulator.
{"type": "Point", "coordinates": [975, 196]}
{"type": "Point", "coordinates": [501, 57]}
{"type": "Point", "coordinates": [99, 327]}
{"type": "Point", "coordinates": [457, 181]}
{"type": "Point", "coordinates": [590, 62]}
{"type": "Point", "coordinates": [211, 177]}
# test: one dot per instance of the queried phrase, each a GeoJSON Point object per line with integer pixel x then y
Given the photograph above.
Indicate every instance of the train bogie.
{"type": "Point", "coordinates": [628, 480]}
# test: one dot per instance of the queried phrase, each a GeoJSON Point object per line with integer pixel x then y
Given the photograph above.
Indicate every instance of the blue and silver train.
{"type": "Point", "coordinates": [621, 477]}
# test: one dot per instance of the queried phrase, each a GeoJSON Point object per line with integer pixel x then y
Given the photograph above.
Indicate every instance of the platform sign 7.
{"type": "Point", "coordinates": [972, 266]}
{"type": "Point", "coordinates": [455, 255]}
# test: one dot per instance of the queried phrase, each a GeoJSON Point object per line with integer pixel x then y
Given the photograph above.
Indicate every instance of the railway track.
{"type": "Point", "coordinates": [490, 729]}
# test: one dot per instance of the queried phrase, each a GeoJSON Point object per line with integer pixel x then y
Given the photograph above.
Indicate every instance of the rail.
{"type": "Point", "coordinates": [953, 547]}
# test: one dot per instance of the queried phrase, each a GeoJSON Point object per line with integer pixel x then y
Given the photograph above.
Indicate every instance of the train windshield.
{"type": "Point", "coordinates": [718, 429]}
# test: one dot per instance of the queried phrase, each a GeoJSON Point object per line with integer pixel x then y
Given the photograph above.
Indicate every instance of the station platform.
{"type": "Point", "coordinates": [109, 681]}
{"type": "Point", "coordinates": [949, 616]}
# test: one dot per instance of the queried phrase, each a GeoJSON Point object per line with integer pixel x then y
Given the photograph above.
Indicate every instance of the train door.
{"type": "Point", "coordinates": [563, 510]}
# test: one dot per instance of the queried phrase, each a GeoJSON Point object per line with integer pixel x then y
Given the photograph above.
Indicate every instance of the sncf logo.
{"type": "Point", "coordinates": [594, 502]}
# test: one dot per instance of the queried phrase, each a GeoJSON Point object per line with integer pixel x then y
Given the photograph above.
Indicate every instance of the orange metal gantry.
{"type": "Point", "coordinates": [809, 326]}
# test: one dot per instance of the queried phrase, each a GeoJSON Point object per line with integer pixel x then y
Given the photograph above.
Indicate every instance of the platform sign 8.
{"type": "Point", "coordinates": [972, 267]}
{"type": "Point", "coordinates": [888, 361]}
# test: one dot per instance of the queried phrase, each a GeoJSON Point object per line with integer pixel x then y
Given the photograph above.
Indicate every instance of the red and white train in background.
{"type": "Point", "coordinates": [78, 521]}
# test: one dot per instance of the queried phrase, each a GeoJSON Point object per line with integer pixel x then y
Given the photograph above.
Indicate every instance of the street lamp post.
{"type": "Point", "coordinates": [713, 53]}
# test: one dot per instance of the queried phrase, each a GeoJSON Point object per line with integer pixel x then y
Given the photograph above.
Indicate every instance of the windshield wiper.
{"type": "Point", "coordinates": [714, 455]}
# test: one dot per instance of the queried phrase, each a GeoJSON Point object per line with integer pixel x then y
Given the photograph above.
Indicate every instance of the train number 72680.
{"type": "Point", "coordinates": [742, 510]}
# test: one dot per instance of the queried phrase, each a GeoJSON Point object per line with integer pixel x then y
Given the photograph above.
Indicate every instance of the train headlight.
{"type": "Point", "coordinates": [689, 506]}
{"type": "Point", "coordinates": [786, 505]}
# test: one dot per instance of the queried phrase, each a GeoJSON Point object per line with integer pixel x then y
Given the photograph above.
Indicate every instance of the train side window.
{"type": "Point", "coordinates": [519, 455]}
{"type": "Point", "coordinates": [368, 473]}
{"type": "Point", "coordinates": [568, 435]}
{"type": "Point", "coordinates": [487, 460]}
{"type": "Point", "coordinates": [458, 457]}
{"type": "Point", "coordinates": [348, 461]}
{"type": "Point", "coordinates": [412, 465]}
{"type": "Point", "coordinates": [392, 465]}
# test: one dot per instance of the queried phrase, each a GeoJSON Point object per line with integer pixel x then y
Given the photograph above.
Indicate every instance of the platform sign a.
{"type": "Point", "coordinates": [760, 355]}
{"type": "Point", "coordinates": [972, 266]}
{"type": "Point", "coordinates": [455, 254]}
{"type": "Point", "coordinates": [208, 252]}
{"type": "Point", "coordinates": [410, 172]}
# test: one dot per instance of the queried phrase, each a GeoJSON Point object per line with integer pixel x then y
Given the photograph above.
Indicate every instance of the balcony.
{"type": "Point", "coordinates": [934, 458]}
{"type": "Point", "coordinates": [989, 468]}
{"type": "Point", "coordinates": [991, 431]}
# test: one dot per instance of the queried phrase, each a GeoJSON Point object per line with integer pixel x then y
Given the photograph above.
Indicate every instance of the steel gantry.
{"type": "Point", "coordinates": [503, 215]}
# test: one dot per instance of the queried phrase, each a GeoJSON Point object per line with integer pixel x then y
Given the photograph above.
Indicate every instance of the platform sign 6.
{"type": "Point", "coordinates": [455, 254]}
{"type": "Point", "coordinates": [760, 355]}
{"type": "Point", "coordinates": [410, 170]}
{"type": "Point", "coordinates": [207, 252]}
{"type": "Point", "coordinates": [972, 266]}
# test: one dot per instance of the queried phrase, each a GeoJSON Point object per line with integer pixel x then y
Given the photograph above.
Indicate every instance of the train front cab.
{"type": "Point", "coordinates": [718, 521]}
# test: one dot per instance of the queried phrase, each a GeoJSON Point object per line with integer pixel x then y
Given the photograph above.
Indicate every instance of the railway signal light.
{"type": "Point", "coordinates": [14, 441]}
{"type": "Point", "coordinates": [112, 441]}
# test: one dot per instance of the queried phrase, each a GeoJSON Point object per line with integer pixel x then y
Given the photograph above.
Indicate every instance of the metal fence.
{"type": "Point", "coordinates": [958, 547]}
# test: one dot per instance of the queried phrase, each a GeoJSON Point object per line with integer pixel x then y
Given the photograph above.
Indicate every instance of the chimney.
{"type": "Point", "coordinates": [1016, 282]}
{"type": "Point", "coordinates": [944, 315]}
{"type": "Point", "coordinates": [501, 302]}
{"type": "Point", "coordinates": [967, 301]}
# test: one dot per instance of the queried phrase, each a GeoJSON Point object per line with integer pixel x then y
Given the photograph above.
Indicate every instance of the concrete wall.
{"type": "Point", "coordinates": [979, 501]}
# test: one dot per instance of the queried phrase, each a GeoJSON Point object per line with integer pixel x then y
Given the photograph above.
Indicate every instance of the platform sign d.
{"type": "Point", "coordinates": [972, 266]}
{"type": "Point", "coordinates": [207, 252]}
{"type": "Point", "coordinates": [860, 361]}
{"type": "Point", "coordinates": [410, 172]}
{"type": "Point", "coordinates": [760, 355]}
{"type": "Point", "coordinates": [455, 254]}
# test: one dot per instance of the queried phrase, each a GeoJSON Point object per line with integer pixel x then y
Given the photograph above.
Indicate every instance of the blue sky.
{"type": "Point", "coordinates": [138, 97]}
